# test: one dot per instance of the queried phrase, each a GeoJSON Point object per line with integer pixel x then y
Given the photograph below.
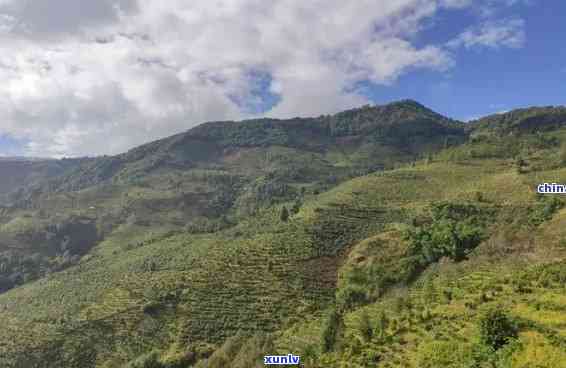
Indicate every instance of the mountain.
{"type": "Point", "coordinates": [384, 235]}
{"type": "Point", "coordinates": [520, 121]}
{"type": "Point", "coordinates": [208, 177]}
{"type": "Point", "coordinates": [364, 137]}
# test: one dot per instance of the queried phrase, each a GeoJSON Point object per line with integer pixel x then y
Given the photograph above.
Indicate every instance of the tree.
{"type": "Point", "coordinates": [284, 216]}
{"type": "Point", "coordinates": [497, 329]}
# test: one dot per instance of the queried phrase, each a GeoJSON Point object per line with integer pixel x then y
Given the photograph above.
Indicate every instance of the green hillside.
{"type": "Point", "coordinates": [205, 179]}
{"type": "Point", "coordinates": [384, 236]}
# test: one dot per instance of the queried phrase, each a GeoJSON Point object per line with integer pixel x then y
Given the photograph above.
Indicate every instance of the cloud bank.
{"type": "Point", "coordinates": [99, 77]}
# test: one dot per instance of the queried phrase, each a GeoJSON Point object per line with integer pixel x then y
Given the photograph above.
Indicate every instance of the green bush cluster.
{"type": "Point", "coordinates": [497, 329]}
{"type": "Point", "coordinates": [544, 210]}
{"type": "Point", "coordinates": [454, 231]}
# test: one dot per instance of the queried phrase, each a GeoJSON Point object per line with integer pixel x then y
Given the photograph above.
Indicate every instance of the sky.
{"type": "Point", "coordinates": [85, 78]}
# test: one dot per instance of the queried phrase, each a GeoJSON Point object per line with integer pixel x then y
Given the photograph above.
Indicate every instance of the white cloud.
{"type": "Point", "coordinates": [489, 9]}
{"type": "Point", "coordinates": [51, 19]}
{"type": "Point", "coordinates": [94, 77]}
{"type": "Point", "coordinates": [456, 3]}
{"type": "Point", "coordinates": [508, 32]}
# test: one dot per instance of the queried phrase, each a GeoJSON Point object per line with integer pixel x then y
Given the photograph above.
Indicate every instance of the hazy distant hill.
{"type": "Point", "coordinates": [16, 172]}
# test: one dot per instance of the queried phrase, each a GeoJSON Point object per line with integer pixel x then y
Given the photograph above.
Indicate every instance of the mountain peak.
{"type": "Point", "coordinates": [409, 103]}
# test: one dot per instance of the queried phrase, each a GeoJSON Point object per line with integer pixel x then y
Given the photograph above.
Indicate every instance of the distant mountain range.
{"type": "Point", "coordinates": [24, 158]}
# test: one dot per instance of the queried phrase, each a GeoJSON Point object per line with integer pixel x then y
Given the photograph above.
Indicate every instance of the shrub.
{"type": "Point", "coordinates": [284, 216]}
{"type": "Point", "coordinates": [497, 329]}
{"type": "Point", "coordinates": [447, 295]}
{"type": "Point", "coordinates": [149, 360]}
{"type": "Point", "coordinates": [456, 229]}
{"type": "Point", "coordinates": [296, 207]}
{"type": "Point", "coordinates": [252, 351]}
{"type": "Point", "coordinates": [545, 210]}
{"type": "Point", "coordinates": [309, 355]}
{"type": "Point", "coordinates": [224, 356]}
{"type": "Point", "coordinates": [365, 327]}
{"type": "Point", "coordinates": [330, 329]}
{"type": "Point", "coordinates": [552, 275]}
{"type": "Point", "coordinates": [351, 297]}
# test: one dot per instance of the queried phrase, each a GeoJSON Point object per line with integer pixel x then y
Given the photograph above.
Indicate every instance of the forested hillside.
{"type": "Point", "coordinates": [384, 236]}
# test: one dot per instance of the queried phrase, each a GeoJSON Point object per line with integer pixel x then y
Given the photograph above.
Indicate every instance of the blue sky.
{"type": "Point", "coordinates": [10, 146]}
{"type": "Point", "coordinates": [486, 80]}
{"type": "Point", "coordinates": [107, 76]}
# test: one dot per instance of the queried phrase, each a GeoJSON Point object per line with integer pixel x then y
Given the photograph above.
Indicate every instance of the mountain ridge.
{"type": "Point", "coordinates": [397, 122]}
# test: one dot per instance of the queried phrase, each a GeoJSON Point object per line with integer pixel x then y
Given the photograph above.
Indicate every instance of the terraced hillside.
{"type": "Point", "coordinates": [278, 245]}
{"type": "Point", "coordinates": [202, 180]}
{"type": "Point", "coordinates": [435, 320]}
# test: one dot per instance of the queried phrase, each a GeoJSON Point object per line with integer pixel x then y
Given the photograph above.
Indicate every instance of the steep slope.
{"type": "Point", "coordinates": [439, 318]}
